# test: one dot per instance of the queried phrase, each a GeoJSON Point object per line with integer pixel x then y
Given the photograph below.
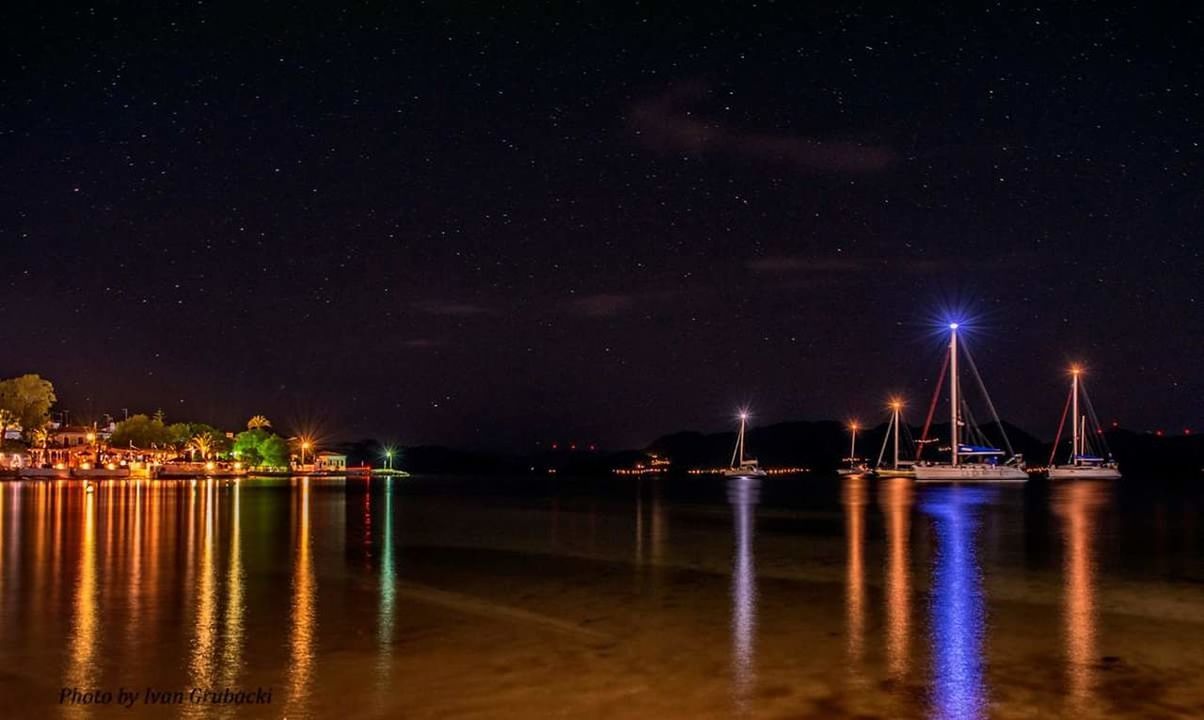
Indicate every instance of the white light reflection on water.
{"type": "Point", "coordinates": [957, 604]}
{"type": "Point", "coordinates": [742, 493]}
{"type": "Point", "coordinates": [388, 598]}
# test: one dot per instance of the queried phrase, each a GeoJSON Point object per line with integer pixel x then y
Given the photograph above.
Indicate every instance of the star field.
{"type": "Point", "coordinates": [438, 222]}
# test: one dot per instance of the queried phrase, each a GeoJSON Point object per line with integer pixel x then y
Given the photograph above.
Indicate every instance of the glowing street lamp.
{"type": "Point", "coordinates": [305, 445]}
{"type": "Point", "coordinates": [389, 458]}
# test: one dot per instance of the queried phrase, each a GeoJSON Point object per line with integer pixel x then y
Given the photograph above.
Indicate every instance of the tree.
{"type": "Point", "coordinates": [27, 398]}
{"type": "Point", "coordinates": [7, 420]}
{"type": "Point", "coordinates": [246, 446]}
{"type": "Point", "coordinates": [140, 431]}
{"type": "Point", "coordinates": [274, 452]}
{"type": "Point", "coordinates": [178, 435]}
{"type": "Point", "coordinates": [219, 444]}
{"type": "Point", "coordinates": [201, 443]}
{"type": "Point", "coordinates": [258, 422]}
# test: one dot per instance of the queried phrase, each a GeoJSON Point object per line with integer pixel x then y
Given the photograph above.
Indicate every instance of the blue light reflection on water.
{"type": "Point", "coordinates": [957, 605]}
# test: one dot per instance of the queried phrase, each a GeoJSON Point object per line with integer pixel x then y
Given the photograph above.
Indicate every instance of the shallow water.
{"type": "Point", "coordinates": [484, 597]}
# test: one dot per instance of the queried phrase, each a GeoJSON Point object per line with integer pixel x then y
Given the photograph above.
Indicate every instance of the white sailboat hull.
{"type": "Point", "coordinates": [970, 472]}
{"type": "Point", "coordinates": [744, 472]}
{"type": "Point", "coordinates": [1083, 472]}
{"type": "Point", "coordinates": [903, 472]}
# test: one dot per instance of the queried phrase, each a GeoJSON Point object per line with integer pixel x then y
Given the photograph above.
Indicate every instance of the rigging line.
{"type": "Point", "coordinates": [990, 405]}
{"type": "Point", "coordinates": [1105, 451]}
{"type": "Point", "coordinates": [1053, 451]}
{"type": "Point", "coordinates": [940, 382]}
{"type": "Point", "coordinates": [885, 439]}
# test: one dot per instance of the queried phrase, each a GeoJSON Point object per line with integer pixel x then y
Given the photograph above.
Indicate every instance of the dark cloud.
{"type": "Point", "coordinates": [785, 265]}
{"type": "Point", "coordinates": [455, 309]}
{"type": "Point", "coordinates": [603, 304]}
{"type": "Point", "coordinates": [663, 123]}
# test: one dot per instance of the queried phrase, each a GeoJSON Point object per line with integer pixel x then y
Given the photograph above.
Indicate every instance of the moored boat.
{"type": "Point", "coordinates": [897, 467]}
{"type": "Point", "coordinates": [968, 463]}
{"type": "Point", "coordinates": [741, 465]}
{"type": "Point", "coordinates": [1085, 462]}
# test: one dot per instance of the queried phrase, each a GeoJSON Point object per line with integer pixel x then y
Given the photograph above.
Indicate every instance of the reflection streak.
{"type": "Point", "coordinates": [82, 656]}
{"type": "Point", "coordinates": [301, 641]}
{"type": "Point", "coordinates": [742, 494]}
{"type": "Point", "coordinates": [853, 499]}
{"type": "Point", "coordinates": [232, 651]}
{"type": "Point", "coordinates": [205, 641]}
{"type": "Point", "coordinates": [896, 500]}
{"type": "Point", "coordinates": [957, 604]}
{"type": "Point", "coordinates": [388, 595]}
{"type": "Point", "coordinates": [1076, 504]}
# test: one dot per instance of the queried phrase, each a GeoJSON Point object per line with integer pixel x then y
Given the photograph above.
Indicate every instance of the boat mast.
{"type": "Point", "coordinates": [953, 389]}
{"type": "Point", "coordinates": [1074, 439]}
{"type": "Point", "coordinates": [895, 419]}
{"type": "Point", "coordinates": [739, 441]}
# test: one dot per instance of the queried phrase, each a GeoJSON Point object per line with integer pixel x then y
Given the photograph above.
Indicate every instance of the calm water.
{"type": "Point", "coordinates": [436, 597]}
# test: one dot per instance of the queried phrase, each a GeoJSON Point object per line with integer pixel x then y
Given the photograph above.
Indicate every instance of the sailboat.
{"type": "Point", "coordinates": [968, 463]}
{"type": "Point", "coordinates": [897, 468]}
{"type": "Point", "coordinates": [853, 465]}
{"type": "Point", "coordinates": [742, 466]}
{"type": "Point", "coordinates": [1083, 462]}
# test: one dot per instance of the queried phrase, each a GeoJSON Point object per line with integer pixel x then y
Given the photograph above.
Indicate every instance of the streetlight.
{"type": "Point", "coordinates": [304, 447]}
{"type": "Point", "coordinates": [389, 459]}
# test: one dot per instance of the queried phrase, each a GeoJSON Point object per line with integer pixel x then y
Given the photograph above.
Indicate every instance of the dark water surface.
{"type": "Point", "coordinates": [482, 597]}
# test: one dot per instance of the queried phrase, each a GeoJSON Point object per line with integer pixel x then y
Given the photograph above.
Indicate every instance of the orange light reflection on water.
{"type": "Point", "coordinates": [896, 502]}
{"type": "Point", "coordinates": [853, 497]}
{"type": "Point", "coordinates": [301, 637]}
{"type": "Point", "coordinates": [81, 669]}
{"type": "Point", "coordinates": [1077, 504]}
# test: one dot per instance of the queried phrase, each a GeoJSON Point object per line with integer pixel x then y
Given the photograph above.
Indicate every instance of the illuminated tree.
{"type": "Point", "coordinates": [28, 399]}
{"type": "Point", "coordinates": [201, 443]}
{"type": "Point", "coordinates": [7, 420]}
{"type": "Point", "coordinates": [246, 446]}
{"type": "Point", "coordinates": [140, 431]}
{"type": "Point", "coordinates": [178, 435]}
{"type": "Point", "coordinates": [258, 422]}
{"type": "Point", "coordinates": [274, 452]}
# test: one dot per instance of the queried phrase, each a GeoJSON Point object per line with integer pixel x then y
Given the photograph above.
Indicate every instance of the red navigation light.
{"type": "Point", "coordinates": [555, 446]}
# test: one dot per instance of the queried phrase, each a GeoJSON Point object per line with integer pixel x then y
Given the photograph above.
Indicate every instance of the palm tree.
{"type": "Point", "coordinates": [201, 443]}
{"type": "Point", "coordinates": [258, 422]}
{"type": "Point", "coordinates": [41, 437]}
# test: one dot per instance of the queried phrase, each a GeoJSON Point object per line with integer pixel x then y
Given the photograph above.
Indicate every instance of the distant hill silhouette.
{"type": "Point", "coordinates": [819, 445]}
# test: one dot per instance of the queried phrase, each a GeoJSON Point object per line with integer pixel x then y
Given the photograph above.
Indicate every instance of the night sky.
{"type": "Point", "coordinates": [440, 222]}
